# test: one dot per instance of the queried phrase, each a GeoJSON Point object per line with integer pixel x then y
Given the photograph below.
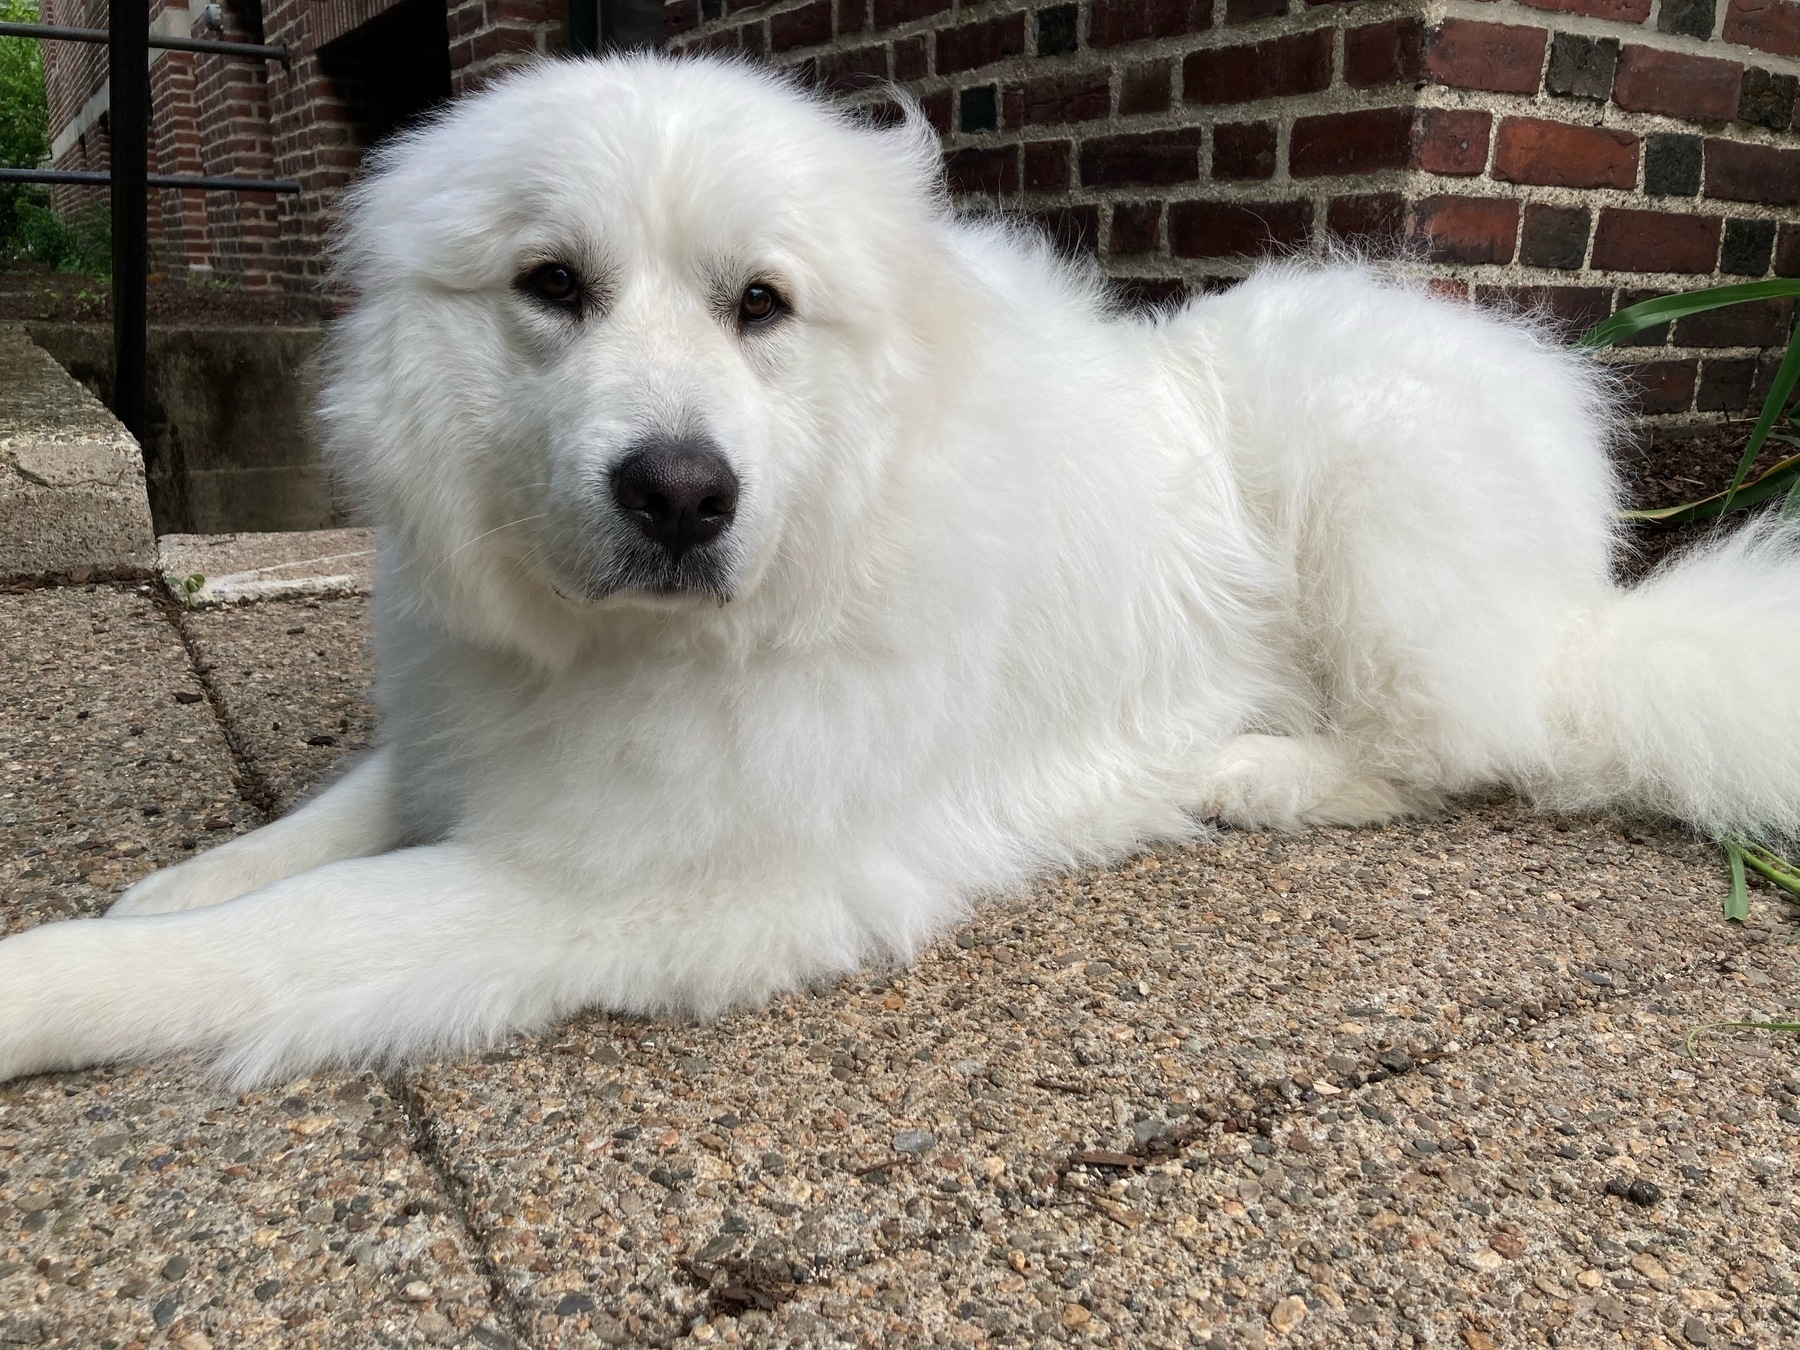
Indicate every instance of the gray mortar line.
{"type": "Point", "coordinates": [425, 1147]}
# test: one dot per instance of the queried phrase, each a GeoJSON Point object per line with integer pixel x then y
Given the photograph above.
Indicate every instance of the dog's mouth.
{"type": "Point", "coordinates": [644, 572]}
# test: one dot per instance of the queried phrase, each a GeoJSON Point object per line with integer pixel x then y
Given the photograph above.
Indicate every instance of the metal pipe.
{"type": "Point", "coordinates": [61, 33]}
{"type": "Point", "coordinates": [100, 178]}
{"type": "Point", "coordinates": [128, 122]}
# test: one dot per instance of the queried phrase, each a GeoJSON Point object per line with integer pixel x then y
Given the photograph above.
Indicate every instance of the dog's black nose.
{"type": "Point", "coordinates": [680, 493]}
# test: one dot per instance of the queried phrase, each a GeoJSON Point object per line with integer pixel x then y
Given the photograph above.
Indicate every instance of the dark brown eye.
{"type": "Point", "coordinates": [554, 284]}
{"type": "Point", "coordinates": [759, 304]}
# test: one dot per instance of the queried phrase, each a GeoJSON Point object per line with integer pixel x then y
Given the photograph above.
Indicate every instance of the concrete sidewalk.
{"type": "Point", "coordinates": [1376, 1087]}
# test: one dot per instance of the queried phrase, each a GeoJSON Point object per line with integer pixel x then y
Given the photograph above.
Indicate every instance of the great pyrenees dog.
{"type": "Point", "coordinates": [774, 564]}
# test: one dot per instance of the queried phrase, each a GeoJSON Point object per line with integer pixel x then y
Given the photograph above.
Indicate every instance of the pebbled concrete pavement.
{"type": "Point", "coordinates": [1421, 1085]}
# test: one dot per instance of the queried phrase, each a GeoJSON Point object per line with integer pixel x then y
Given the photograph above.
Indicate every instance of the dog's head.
{"type": "Point", "coordinates": [628, 334]}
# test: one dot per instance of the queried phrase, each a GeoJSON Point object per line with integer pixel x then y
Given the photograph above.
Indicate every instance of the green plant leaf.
{"type": "Point", "coordinates": [1737, 899]}
{"type": "Point", "coordinates": [1771, 865]}
{"type": "Point", "coordinates": [1780, 477]}
{"type": "Point", "coordinates": [1771, 409]}
{"type": "Point", "coordinates": [1665, 308]}
{"type": "Point", "coordinates": [1743, 1026]}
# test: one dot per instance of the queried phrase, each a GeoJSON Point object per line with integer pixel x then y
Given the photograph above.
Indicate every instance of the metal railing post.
{"type": "Point", "coordinates": [128, 116]}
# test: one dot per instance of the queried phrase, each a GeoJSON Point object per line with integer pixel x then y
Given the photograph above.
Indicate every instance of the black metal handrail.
{"type": "Point", "coordinates": [62, 33]}
{"type": "Point", "coordinates": [128, 43]}
{"type": "Point", "coordinates": [101, 178]}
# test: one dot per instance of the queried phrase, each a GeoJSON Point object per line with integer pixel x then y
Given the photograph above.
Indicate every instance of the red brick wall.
{"type": "Point", "coordinates": [229, 117]}
{"type": "Point", "coordinates": [1568, 154]}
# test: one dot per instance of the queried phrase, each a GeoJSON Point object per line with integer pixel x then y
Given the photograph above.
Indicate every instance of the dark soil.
{"type": "Point", "coordinates": [61, 297]}
{"type": "Point", "coordinates": [1667, 466]}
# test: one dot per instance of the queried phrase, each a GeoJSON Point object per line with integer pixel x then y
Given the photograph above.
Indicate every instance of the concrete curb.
{"type": "Point", "coordinates": [72, 491]}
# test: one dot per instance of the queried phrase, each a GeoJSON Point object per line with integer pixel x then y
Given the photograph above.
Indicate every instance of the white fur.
{"type": "Point", "coordinates": [1015, 582]}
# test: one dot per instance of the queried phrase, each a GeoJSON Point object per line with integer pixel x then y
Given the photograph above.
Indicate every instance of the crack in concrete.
{"type": "Point", "coordinates": [425, 1146]}
{"type": "Point", "coordinates": [249, 780]}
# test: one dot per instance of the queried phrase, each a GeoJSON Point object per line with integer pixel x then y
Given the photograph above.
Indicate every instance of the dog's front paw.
{"type": "Point", "coordinates": [211, 879]}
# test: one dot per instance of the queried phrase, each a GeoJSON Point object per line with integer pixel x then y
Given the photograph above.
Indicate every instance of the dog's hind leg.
{"type": "Point", "coordinates": [1286, 782]}
{"type": "Point", "coordinates": [366, 960]}
{"type": "Point", "coordinates": [352, 818]}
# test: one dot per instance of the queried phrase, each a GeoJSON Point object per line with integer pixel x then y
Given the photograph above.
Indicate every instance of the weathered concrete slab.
{"type": "Point", "coordinates": [72, 494]}
{"type": "Point", "coordinates": [293, 682]}
{"type": "Point", "coordinates": [1352, 1088]}
{"type": "Point", "coordinates": [150, 1205]}
{"type": "Point", "coordinates": [241, 568]}
{"type": "Point", "coordinates": [876, 1156]}
{"type": "Point", "coordinates": [229, 440]}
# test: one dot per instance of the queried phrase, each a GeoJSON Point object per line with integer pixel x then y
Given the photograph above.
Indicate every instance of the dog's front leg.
{"type": "Point", "coordinates": [367, 960]}
{"type": "Point", "coordinates": [352, 818]}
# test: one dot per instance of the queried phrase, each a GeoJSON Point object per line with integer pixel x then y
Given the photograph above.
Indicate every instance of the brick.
{"type": "Point", "coordinates": [1248, 11]}
{"type": "Point", "coordinates": [1766, 99]}
{"type": "Point", "coordinates": [1698, 88]}
{"type": "Point", "coordinates": [1749, 246]}
{"type": "Point", "coordinates": [851, 15]}
{"type": "Point", "coordinates": [979, 170]}
{"type": "Point", "coordinates": [1569, 310]}
{"type": "Point", "coordinates": [1554, 154]}
{"type": "Point", "coordinates": [1072, 96]}
{"type": "Point", "coordinates": [936, 107]}
{"type": "Point", "coordinates": [977, 109]}
{"type": "Point", "coordinates": [980, 44]}
{"type": "Point", "coordinates": [849, 71]}
{"type": "Point", "coordinates": [888, 13]}
{"type": "Point", "coordinates": [681, 18]}
{"type": "Point", "coordinates": [1365, 141]}
{"type": "Point", "coordinates": [1114, 25]}
{"type": "Point", "coordinates": [1150, 158]}
{"type": "Point", "coordinates": [1767, 25]}
{"type": "Point", "coordinates": [1657, 336]}
{"type": "Point", "coordinates": [807, 26]}
{"type": "Point", "coordinates": [1375, 220]}
{"type": "Point", "coordinates": [1554, 236]}
{"type": "Point", "coordinates": [1451, 141]}
{"type": "Point", "coordinates": [1047, 165]}
{"type": "Point", "coordinates": [1300, 64]}
{"type": "Point", "coordinates": [1688, 18]}
{"type": "Point", "coordinates": [1243, 151]}
{"type": "Point", "coordinates": [1074, 230]}
{"type": "Point", "coordinates": [1058, 30]}
{"type": "Point", "coordinates": [1752, 173]}
{"type": "Point", "coordinates": [1501, 58]}
{"type": "Point", "coordinates": [1661, 386]}
{"type": "Point", "coordinates": [1144, 87]}
{"type": "Point", "coordinates": [1725, 383]}
{"type": "Point", "coordinates": [911, 59]}
{"type": "Point", "coordinates": [1620, 11]}
{"type": "Point", "coordinates": [1760, 323]}
{"type": "Point", "coordinates": [1134, 228]}
{"type": "Point", "coordinates": [1581, 67]}
{"type": "Point", "coordinates": [1787, 251]}
{"type": "Point", "coordinates": [1466, 229]}
{"type": "Point", "coordinates": [1379, 54]}
{"type": "Point", "coordinates": [1654, 241]}
{"type": "Point", "coordinates": [1234, 229]}
{"type": "Point", "coordinates": [1671, 166]}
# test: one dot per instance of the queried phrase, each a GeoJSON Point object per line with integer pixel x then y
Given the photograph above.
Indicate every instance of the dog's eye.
{"type": "Point", "coordinates": [554, 284]}
{"type": "Point", "coordinates": [759, 304]}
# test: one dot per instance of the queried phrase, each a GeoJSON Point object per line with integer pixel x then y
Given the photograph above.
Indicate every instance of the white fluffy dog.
{"type": "Point", "coordinates": [775, 564]}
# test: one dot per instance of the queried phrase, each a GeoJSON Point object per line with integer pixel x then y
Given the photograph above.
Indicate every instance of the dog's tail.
{"type": "Point", "coordinates": [1682, 694]}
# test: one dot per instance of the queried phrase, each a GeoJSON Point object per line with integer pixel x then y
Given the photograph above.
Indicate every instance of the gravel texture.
{"type": "Point", "coordinates": [148, 1205]}
{"type": "Point", "coordinates": [1421, 1085]}
{"type": "Point", "coordinates": [292, 679]}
